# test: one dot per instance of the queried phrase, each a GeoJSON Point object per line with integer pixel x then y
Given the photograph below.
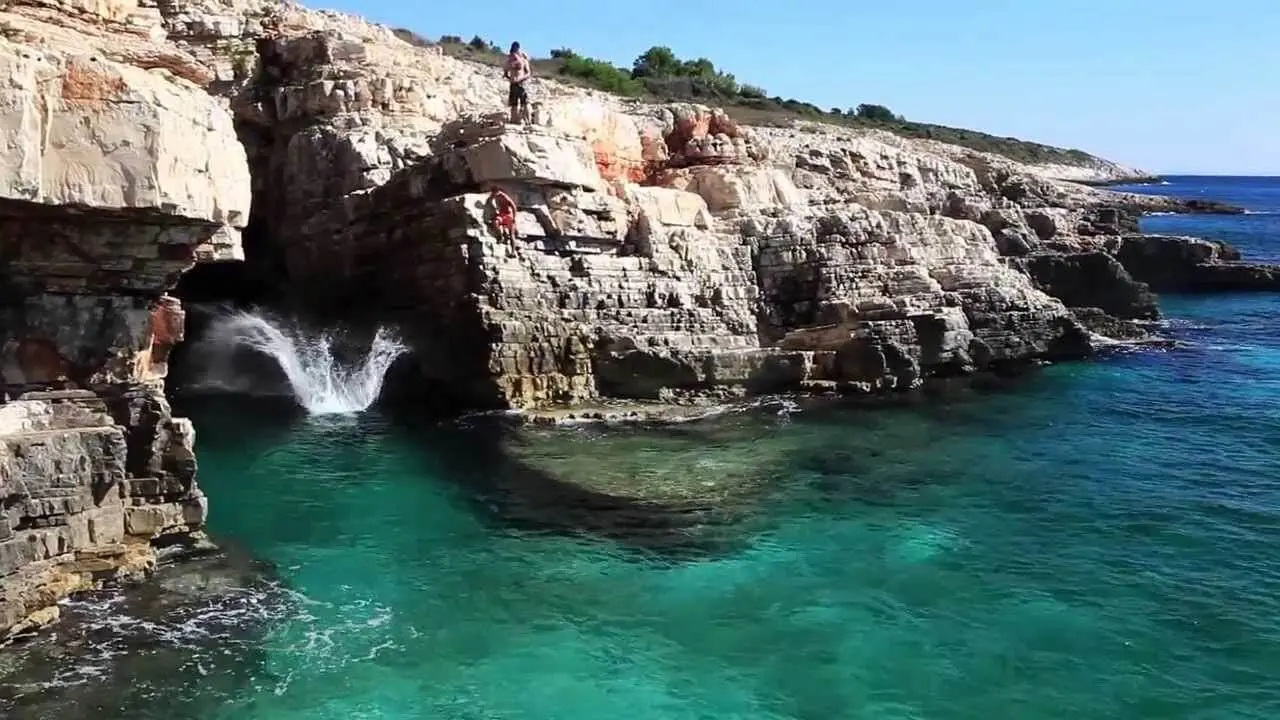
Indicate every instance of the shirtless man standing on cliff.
{"type": "Point", "coordinates": [517, 71]}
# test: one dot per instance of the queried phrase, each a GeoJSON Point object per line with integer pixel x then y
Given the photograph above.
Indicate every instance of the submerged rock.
{"type": "Point", "coordinates": [193, 626]}
{"type": "Point", "coordinates": [704, 486]}
{"type": "Point", "coordinates": [671, 488]}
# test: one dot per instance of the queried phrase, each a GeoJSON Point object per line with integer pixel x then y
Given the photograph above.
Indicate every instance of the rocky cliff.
{"type": "Point", "coordinates": [664, 252]}
{"type": "Point", "coordinates": [117, 173]}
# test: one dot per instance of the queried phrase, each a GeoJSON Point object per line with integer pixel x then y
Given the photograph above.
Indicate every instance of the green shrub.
{"type": "Point", "coordinates": [657, 62]}
{"type": "Point", "coordinates": [876, 113]}
{"type": "Point", "coordinates": [602, 75]}
{"type": "Point", "coordinates": [701, 67]}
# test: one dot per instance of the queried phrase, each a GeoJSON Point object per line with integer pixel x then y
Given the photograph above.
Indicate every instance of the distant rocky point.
{"type": "Point", "coordinates": [252, 149]}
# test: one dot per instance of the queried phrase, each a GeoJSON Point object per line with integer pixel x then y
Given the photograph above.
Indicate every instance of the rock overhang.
{"type": "Point", "coordinates": [154, 144]}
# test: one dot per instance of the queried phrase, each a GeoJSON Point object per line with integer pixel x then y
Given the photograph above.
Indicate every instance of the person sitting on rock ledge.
{"type": "Point", "coordinates": [504, 213]}
{"type": "Point", "coordinates": [517, 71]}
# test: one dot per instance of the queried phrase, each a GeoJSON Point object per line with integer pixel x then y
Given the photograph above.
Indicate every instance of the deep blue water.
{"type": "Point", "coordinates": [1257, 234]}
{"type": "Point", "coordinates": [1103, 542]}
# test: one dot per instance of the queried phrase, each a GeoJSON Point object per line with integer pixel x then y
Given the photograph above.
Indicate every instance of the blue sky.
{"type": "Point", "coordinates": [1167, 85]}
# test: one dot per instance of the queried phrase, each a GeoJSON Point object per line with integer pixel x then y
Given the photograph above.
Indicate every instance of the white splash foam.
{"type": "Point", "coordinates": [318, 380]}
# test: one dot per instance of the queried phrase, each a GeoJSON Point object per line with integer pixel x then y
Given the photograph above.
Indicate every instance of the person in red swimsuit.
{"type": "Point", "coordinates": [504, 213]}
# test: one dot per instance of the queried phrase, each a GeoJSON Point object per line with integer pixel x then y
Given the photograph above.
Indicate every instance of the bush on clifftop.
{"type": "Point", "coordinates": [601, 75]}
{"type": "Point", "coordinates": [876, 113]}
{"type": "Point", "coordinates": [658, 74]}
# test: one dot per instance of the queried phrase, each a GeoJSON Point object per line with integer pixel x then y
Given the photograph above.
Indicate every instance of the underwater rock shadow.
{"type": "Point", "coordinates": [803, 472]}
{"type": "Point", "coordinates": [475, 455]}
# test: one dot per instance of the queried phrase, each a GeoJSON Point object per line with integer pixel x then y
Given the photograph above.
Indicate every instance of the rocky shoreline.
{"type": "Point", "coordinates": [1106, 182]}
{"type": "Point", "coordinates": [162, 151]}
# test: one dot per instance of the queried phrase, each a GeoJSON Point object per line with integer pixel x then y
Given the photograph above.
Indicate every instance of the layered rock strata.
{"type": "Point", "coordinates": [663, 250]}
{"type": "Point", "coordinates": [368, 154]}
{"type": "Point", "coordinates": [117, 174]}
{"type": "Point", "coordinates": [720, 277]}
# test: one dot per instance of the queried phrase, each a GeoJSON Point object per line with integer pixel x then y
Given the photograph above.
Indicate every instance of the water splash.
{"type": "Point", "coordinates": [319, 381]}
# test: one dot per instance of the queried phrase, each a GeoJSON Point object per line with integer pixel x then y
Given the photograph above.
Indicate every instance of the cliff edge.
{"type": "Point", "coordinates": [658, 75]}
{"type": "Point", "coordinates": [665, 251]}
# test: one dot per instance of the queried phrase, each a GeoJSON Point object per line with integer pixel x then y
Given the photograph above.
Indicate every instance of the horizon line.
{"type": "Point", "coordinates": [1215, 174]}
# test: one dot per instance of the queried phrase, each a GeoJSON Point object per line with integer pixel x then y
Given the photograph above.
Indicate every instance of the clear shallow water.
{"type": "Point", "coordinates": [1103, 543]}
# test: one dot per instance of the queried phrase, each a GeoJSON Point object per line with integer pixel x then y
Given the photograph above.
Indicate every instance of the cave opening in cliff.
{"type": "Point", "coordinates": [257, 279]}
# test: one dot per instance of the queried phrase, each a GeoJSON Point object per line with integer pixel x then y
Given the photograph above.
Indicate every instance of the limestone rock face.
{"type": "Point", "coordinates": [118, 172]}
{"type": "Point", "coordinates": [140, 154]}
{"type": "Point", "coordinates": [1092, 280]}
{"type": "Point", "coordinates": [480, 154]}
{"type": "Point", "coordinates": [721, 277]}
{"type": "Point", "coordinates": [87, 482]}
{"type": "Point", "coordinates": [662, 249]}
{"type": "Point", "coordinates": [1188, 265]}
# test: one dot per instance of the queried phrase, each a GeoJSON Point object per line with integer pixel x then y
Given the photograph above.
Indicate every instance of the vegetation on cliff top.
{"type": "Point", "coordinates": [658, 75]}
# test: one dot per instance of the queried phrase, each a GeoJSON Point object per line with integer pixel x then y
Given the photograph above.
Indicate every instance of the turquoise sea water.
{"type": "Point", "coordinates": [1102, 543]}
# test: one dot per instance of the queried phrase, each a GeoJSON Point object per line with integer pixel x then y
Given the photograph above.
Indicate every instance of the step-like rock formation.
{"type": "Point", "coordinates": [1192, 265]}
{"type": "Point", "coordinates": [117, 174]}
{"type": "Point", "coordinates": [717, 277]}
{"type": "Point", "coordinates": [662, 249]}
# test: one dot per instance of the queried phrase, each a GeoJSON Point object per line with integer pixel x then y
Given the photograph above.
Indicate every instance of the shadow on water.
{"type": "Point", "coordinates": [476, 456]}
{"type": "Point", "coordinates": [672, 492]}
{"type": "Point", "coordinates": [687, 491]}
{"type": "Point", "coordinates": [481, 458]}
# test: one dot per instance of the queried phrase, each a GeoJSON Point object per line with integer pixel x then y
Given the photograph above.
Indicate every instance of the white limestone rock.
{"type": "Point", "coordinates": [84, 131]}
